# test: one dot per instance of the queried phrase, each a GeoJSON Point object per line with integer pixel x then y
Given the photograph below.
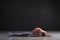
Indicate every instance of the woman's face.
{"type": "Point", "coordinates": [37, 33]}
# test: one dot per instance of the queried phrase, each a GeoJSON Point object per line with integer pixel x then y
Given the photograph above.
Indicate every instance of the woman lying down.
{"type": "Point", "coordinates": [35, 33]}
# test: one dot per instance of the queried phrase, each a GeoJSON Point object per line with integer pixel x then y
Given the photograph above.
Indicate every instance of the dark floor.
{"type": "Point", "coordinates": [55, 36]}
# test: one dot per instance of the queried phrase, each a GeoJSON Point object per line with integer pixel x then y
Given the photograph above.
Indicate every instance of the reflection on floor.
{"type": "Point", "coordinates": [5, 36]}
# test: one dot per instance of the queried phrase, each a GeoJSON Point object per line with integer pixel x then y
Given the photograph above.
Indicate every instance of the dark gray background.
{"type": "Point", "coordinates": [27, 14]}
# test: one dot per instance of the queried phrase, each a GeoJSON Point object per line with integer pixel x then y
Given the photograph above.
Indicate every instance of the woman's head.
{"type": "Point", "coordinates": [37, 31]}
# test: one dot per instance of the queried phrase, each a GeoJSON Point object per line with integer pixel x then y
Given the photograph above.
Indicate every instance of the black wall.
{"type": "Point", "coordinates": [27, 14]}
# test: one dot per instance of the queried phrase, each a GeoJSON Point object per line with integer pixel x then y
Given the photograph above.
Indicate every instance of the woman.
{"type": "Point", "coordinates": [35, 33]}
